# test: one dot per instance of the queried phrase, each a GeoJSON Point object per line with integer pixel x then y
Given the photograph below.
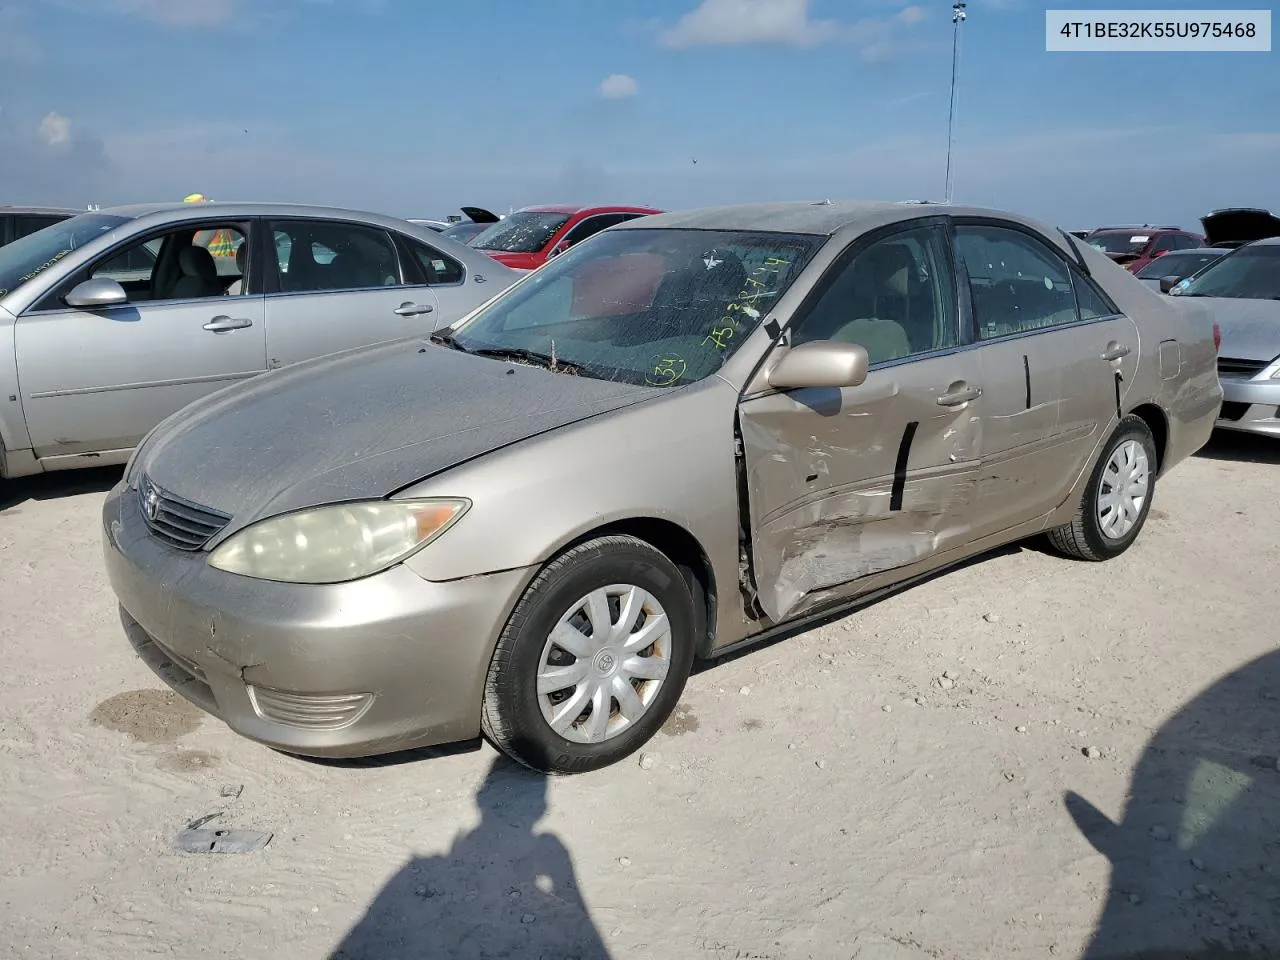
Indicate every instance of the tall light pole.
{"type": "Point", "coordinates": [958, 16]}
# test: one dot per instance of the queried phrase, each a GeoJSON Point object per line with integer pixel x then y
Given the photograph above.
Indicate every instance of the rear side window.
{"type": "Point", "coordinates": [437, 268]}
{"type": "Point", "coordinates": [1089, 299]}
{"type": "Point", "coordinates": [1018, 283]}
{"type": "Point", "coordinates": [315, 256]}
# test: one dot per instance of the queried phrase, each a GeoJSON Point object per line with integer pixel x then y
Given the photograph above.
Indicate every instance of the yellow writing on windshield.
{"type": "Point", "coordinates": [43, 267]}
{"type": "Point", "coordinates": [746, 303]}
{"type": "Point", "coordinates": [666, 370]}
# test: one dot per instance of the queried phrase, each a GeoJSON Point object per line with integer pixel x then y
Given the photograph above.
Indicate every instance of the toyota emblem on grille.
{"type": "Point", "coordinates": [151, 503]}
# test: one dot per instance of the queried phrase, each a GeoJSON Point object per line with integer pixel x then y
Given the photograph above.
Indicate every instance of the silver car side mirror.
{"type": "Point", "coordinates": [820, 363]}
{"type": "Point", "coordinates": [98, 292]}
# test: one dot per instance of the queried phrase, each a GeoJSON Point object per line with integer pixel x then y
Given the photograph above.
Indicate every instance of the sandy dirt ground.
{"type": "Point", "coordinates": [910, 781]}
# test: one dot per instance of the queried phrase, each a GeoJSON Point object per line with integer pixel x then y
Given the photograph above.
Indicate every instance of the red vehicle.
{"type": "Point", "coordinates": [531, 236]}
{"type": "Point", "coordinates": [1135, 247]}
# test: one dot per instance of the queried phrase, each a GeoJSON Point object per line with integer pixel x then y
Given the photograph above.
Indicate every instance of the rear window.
{"type": "Point", "coordinates": [1120, 241]}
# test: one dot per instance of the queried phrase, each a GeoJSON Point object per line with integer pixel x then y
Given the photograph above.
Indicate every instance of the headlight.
{"type": "Point", "coordinates": [338, 543]}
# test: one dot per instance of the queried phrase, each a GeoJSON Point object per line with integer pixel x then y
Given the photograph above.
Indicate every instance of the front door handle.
{"type": "Point", "coordinates": [413, 309]}
{"type": "Point", "coordinates": [1115, 351]}
{"type": "Point", "coordinates": [959, 397]}
{"type": "Point", "coordinates": [224, 324]}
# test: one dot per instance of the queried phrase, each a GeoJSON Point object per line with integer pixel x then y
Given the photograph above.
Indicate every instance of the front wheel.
{"type": "Point", "coordinates": [593, 659]}
{"type": "Point", "coordinates": [1117, 498]}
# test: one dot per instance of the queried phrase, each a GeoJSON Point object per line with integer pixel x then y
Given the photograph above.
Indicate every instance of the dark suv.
{"type": "Point", "coordinates": [1135, 247]}
{"type": "Point", "coordinates": [17, 222]}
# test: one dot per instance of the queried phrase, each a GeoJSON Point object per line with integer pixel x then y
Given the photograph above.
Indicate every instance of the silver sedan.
{"type": "Point", "coordinates": [112, 320]}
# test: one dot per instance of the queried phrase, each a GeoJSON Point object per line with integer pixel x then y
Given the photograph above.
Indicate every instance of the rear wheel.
{"type": "Point", "coordinates": [593, 659]}
{"type": "Point", "coordinates": [1117, 498]}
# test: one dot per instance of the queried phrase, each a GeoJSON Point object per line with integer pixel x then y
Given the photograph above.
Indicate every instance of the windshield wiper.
{"type": "Point", "coordinates": [545, 360]}
{"type": "Point", "coordinates": [446, 339]}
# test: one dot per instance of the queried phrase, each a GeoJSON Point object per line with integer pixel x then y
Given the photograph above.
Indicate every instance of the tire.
{"type": "Point", "coordinates": [517, 718]}
{"type": "Point", "coordinates": [1086, 536]}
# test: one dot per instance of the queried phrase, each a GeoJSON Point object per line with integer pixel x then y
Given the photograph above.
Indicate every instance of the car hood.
{"type": "Point", "coordinates": [1250, 328]}
{"type": "Point", "coordinates": [1239, 225]}
{"type": "Point", "coordinates": [360, 425]}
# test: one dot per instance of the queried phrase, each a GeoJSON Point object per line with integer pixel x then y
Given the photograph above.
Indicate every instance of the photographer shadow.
{"type": "Point", "coordinates": [1195, 861]}
{"type": "Point", "coordinates": [502, 890]}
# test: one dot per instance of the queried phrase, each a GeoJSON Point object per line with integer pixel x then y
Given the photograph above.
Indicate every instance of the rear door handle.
{"type": "Point", "coordinates": [958, 398]}
{"type": "Point", "coordinates": [1115, 351]}
{"type": "Point", "coordinates": [224, 324]}
{"type": "Point", "coordinates": [413, 309]}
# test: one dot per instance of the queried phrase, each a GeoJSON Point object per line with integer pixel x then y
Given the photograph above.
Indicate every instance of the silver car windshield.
{"type": "Point", "coordinates": [663, 307]}
{"type": "Point", "coordinates": [1249, 273]}
{"type": "Point", "coordinates": [30, 256]}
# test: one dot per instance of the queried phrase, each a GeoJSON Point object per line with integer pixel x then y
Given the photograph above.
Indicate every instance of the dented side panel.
{"type": "Point", "coordinates": [842, 484]}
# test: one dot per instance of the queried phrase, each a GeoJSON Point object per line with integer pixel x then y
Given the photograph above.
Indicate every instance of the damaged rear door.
{"type": "Point", "coordinates": [844, 484]}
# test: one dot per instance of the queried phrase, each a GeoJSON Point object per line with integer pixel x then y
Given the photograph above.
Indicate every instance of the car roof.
{"type": "Point", "coordinates": [42, 211]}
{"type": "Point", "coordinates": [1265, 242]}
{"type": "Point", "coordinates": [821, 218]}
{"type": "Point", "coordinates": [572, 208]}
{"type": "Point", "coordinates": [179, 212]}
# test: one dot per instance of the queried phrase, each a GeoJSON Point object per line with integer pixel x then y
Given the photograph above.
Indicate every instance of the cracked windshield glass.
{"type": "Point", "coordinates": [647, 306]}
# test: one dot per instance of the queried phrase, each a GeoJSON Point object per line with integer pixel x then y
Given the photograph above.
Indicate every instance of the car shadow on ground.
{"type": "Point", "coordinates": [1195, 859]}
{"type": "Point", "coordinates": [1241, 448]}
{"type": "Point", "coordinates": [53, 486]}
{"type": "Point", "coordinates": [503, 889]}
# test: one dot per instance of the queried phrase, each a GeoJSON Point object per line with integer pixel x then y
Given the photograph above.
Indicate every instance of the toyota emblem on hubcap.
{"type": "Point", "coordinates": [604, 663]}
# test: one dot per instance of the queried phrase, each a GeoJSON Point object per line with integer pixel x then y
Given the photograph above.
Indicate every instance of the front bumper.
{"type": "Point", "coordinates": [387, 663]}
{"type": "Point", "coordinates": [1250, 406]}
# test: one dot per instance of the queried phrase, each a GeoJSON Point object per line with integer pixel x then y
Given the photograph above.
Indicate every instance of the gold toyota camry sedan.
{"type": "Point", "coordinates": [678, 438]}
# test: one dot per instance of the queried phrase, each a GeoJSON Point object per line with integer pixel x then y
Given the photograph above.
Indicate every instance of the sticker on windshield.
{"type": "Point", "coordinates": [711, 261]}
{"type": "Point", "coordinates": [1139, 239]}
{"type": "Point", "coordinates": [1048, 283]}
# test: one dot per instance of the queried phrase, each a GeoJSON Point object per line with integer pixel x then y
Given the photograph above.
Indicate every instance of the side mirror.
{"type": "Point", "coordinates": [820, 363]}
{"type": "Point", "coordinates": [1168, 283]}
{"type": "Point", "coordinates": [96, 293]}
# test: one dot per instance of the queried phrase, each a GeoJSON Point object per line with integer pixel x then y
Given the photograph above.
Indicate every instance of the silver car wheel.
{"type": "Point", "coordinates": [604, 663]}
{"type": "Point", "coordinates": [1123, 489]}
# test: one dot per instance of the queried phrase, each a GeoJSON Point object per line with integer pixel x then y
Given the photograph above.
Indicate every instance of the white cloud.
{"type": "Point", "coordinates": [911, 15]}
{"type": "Point", "coordinates": [618, 86]}
{"type": "Point", "coordinates": [55, 130]}
{"type": "Point", "coordinates": [732, 22]}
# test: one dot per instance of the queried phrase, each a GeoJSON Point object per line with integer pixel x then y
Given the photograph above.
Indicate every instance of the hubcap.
{"type": "Point", "coordinates": [1123, 491]}
{"type": "Point", "coordinates": [604, 663]}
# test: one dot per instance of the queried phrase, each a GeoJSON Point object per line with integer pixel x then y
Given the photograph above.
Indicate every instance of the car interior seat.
{"type": "Point", "coordinates": [199, 275]}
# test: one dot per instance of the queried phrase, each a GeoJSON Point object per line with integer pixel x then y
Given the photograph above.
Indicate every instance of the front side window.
{"type": "Point", "coordinates": [1247, 273]}
{"type": "Point", "coordinates": [525, 231]}
{"type": "Point", "coordinates": [182, 264]}
{"type": "Point", "coordinates": [659, 307]}
{"type": "Point", "coordinates": [25, 225]}
{"type": "Point", "coordinates": [896, 298]}
{"type": "Point", "coordinates": [29, 256]}
{"type": "Point", "coordinates": [1018, 284]}
{"type": "Point", "coordinates": [319, 256]}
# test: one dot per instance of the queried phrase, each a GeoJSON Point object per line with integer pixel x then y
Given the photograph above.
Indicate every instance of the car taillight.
{"type": "Point", "coordinates": [1217, 338]}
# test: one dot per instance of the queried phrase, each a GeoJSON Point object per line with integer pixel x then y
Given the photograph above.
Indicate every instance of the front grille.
{"type": "Point", "coordinates": [1233, 410]}
{"type": "Point", "coordinates": [178, 522]}
{"type": "Point", "coordinates": [1240, 369]}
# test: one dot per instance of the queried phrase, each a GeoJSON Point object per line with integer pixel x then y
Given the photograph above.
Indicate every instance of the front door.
{"type": "Point", "coordinates": [1051, 348]}
{"type": "Point", "coordinates": [845, 484]}
{"type": "Point", "coordinates": [334, 285]}
{"type": "Point", "coordinates": [99, 380]}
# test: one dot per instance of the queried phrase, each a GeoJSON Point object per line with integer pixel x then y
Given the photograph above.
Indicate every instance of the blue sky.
{"type": "Point", "coordinates": [414, 107]}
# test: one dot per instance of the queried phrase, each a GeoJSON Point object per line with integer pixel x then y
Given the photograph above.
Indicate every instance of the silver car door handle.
{"type": "Point", "coordinates": [413, 309]}
{"type": "Point", "coordinates": [960, 397]}
{"type": "Point", "coordinates": [223, 324]}
{"type": "Point", "coordinates": [1115, 351]}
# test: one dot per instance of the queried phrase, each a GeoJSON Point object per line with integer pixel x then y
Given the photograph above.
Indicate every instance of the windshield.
{"type": "Point", "coordinates": [1179, 264]}
{"type": "Point", "coordinates": [662, 307]}
{"type": "Point", "coordinates": [31, 255]}
{"type": "Point", "coordinates": [1247, 273]}
{"type": "Point", "coordinates": [1119, 241]}
{"type": "Point", "coordinates": [525, 231]}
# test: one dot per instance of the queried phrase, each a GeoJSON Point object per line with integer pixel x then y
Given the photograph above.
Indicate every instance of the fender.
{"type": "Point", "coordinates": [15, 442]}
